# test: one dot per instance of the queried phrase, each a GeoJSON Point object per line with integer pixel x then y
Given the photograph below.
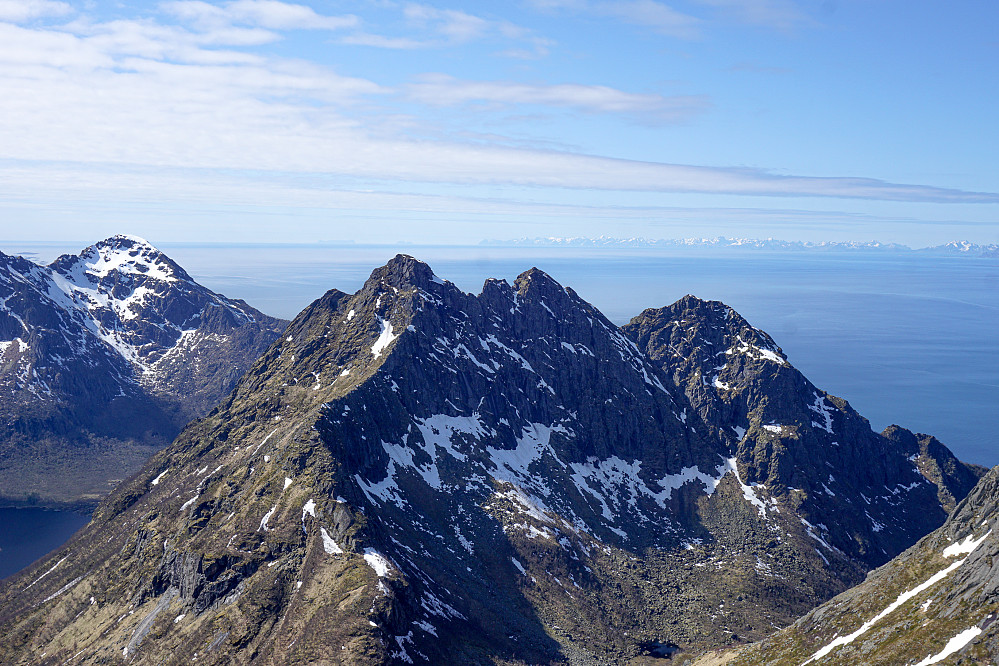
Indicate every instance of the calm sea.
{"type": "Point", "coordinates": [907, 340]}
{"type": "Point", "coordinates": [27, 534]}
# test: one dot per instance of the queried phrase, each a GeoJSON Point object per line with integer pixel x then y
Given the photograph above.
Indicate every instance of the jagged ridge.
{"type": "Point", "coordinates": [414, 473]}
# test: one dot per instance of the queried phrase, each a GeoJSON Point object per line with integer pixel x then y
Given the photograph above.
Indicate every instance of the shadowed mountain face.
{"type": "Point", "coordinates": [413, 474]}
{"type": "Point", "coordinates": [104, 357]}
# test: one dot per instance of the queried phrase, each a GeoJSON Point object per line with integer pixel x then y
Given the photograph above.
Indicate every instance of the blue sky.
{"type": "Point", "coordinates": [381, 121]}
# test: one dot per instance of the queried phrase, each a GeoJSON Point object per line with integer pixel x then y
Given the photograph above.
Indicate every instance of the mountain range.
{"type": "Point", "coordinates": [104, 357]}
{"type": "Point", "coordinates": [953, 248]}
{"type": "Point", "coordinates": [414, 474]}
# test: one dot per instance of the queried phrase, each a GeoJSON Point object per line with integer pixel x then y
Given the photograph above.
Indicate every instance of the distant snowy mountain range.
{"type": "Point", "coordinates": [957, 248]}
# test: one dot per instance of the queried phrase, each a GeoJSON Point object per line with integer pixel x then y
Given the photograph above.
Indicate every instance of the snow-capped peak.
{"type": "Point", "coordinates": [130, 255]}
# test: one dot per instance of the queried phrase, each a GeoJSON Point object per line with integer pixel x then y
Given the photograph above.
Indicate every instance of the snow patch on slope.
{"type": "Point", "coordinates": [953, 645]}
{"type": "Point", "coordinates": [381, 564]}
{"type": "Point", "coordinates": [385, 338]}
{"type": "Point", "coordinates": [967, 546]}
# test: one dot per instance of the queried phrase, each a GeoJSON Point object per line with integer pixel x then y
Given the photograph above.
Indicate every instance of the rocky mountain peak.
{"type": "Point", "coordinates": [535, 284]}
{"type": "Point", "coordinates": [714, 324]}
{"type": "Point", "coordinates": [792, 436]}
{"type": "Point", "coordinates": [120, 256]}
{"type": "Point", "coordinates": [404, 271]}
{"type": "Point", "coordinates": [116, 344]}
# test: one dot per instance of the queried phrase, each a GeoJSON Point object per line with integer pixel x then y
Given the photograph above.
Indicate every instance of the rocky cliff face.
{"type": "Point", "coordinates": [104, 356]}
{"type": "Point", "coordinates": [935, 604]}
{"type": "Point", "coordinates": [865, 494]}
{"type": "Point", "coordinates": [413, 474]}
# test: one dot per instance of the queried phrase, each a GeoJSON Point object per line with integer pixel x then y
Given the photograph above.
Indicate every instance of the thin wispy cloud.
{"type": "Point", "coordinates": [777, 14]}
{"type": "Point", "coordinates": [652, 15]}
{"type": "Point", "coordinates": [385, 42]}
{"type": "Point", "coordinates": [456, 26]}
{"type": "Point", "coordinates": [145, 39]}
{"type": "Point", "coordinates": [686, 24]}
{"type": "Point", "coordinates": [647, 14]}
{"type": "Point", "coordinates": [185, 200]}
{"type": "Point", "coordinates": [443, 90]}
{"type": "Point", "coordinates": [756, 68]}
{"type": "Point", "coordinates": [426, 27]}
{"type": "Point", "coordinates": [539, 49]}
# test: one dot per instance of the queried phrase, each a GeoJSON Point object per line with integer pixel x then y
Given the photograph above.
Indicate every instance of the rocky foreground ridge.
{"type": "Point", "coordinates": [935, 604]}
{"type": "Point", "coordinates": [104, 357]}
{"type": "Point", "coordinates": [413, 474]}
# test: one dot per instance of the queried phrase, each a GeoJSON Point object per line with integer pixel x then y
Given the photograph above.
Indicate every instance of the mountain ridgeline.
{"type": "Point", "coordinates": [104, 357]}
{"type": "Point", "coordinates": [413, 474]}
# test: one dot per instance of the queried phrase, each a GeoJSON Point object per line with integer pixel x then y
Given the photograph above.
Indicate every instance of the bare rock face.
{"type": "Point", "coordinates": [953, 478]}
{"type": "Point", "coordinates": [104, 357]}
{"type": "Point", "coordinates": [413, 474]}
{"type": "Point", "coordinates": [869, 495]}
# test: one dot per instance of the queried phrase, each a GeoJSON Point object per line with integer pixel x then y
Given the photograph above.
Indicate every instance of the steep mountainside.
{"type": "Point", "coordinates": [853, 489]}
{"type": "Point", "coordinates": [412, 474]}
{"type": "Point", "coordinates": [935, 604]}
{"type": "Point", "coordinates": [103, 358]}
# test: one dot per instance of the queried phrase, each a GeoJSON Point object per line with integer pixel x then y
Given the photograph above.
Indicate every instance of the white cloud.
{"type": "Point", "coordinates": [137, 94]}
{"type": "Point", "coordinates": [384, 42]}
{"type": "Point", "coordinates": [654, 15]}
{"type": "Point", "coordinates": [662, 18]}
{"type": "Point", "coordinates": [539, 51]}
{"type": "Point", "coordinates": [269, 14]}
{"type": "Point", "coordinates": [196, 11]}
{"type": "Point", "coordinates": [160, 114]}
{"type": "Point", "coordinates": [430, 27]}
{"type": "Point", "coordinates": [455, 26]}
{"type": "Point", "coordinates": [442, 90]}
{"type": "Point", "coordinates": [18, 11]}
{"type": "Point", "coordinates": [283, 16]}
{"type": "Point", "coordinates": [146, 39]}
